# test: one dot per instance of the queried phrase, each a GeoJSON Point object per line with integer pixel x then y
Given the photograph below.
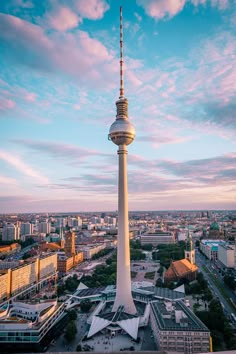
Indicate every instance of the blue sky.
{"type": "Point", "coordinates": [59, 80]}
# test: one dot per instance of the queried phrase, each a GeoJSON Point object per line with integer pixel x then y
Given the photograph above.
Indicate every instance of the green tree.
{"type": "Point", "coordinates": [72, 315]}
{"type": "Point", "coordinates": [85, 305]}
{"type": "Point", "coordinates": [71, 331]}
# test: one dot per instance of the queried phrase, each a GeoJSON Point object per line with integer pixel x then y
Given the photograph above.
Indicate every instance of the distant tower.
{"type": "Point", "coordinates": [189, 253]}
{"type": "Point", "coordinates": [69, 245]}
{"type": "Point", "coordinates": [122, 133]}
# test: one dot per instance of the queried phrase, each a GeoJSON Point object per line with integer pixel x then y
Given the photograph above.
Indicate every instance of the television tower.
{"type": "Point", "coordinates": [122, 133]}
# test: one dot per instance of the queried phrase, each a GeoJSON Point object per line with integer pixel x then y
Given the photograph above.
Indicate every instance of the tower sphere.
{"type": "Point", "coordinates": [122, 132]}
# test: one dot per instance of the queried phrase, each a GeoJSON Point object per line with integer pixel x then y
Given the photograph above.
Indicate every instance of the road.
{"type": "Point", "coordinates": [201, 263]}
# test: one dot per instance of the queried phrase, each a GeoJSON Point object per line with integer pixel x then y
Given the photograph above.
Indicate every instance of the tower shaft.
{"type": "Point", "coordinates": [123, 281]}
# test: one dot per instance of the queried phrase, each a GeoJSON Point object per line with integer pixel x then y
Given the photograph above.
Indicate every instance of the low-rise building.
{"type": "Point", "coordinates": [182, 269]}
{"type": "Point", "coordinates": [90, 250]}
{"type": "Point", "coordinates": [177, 329]}
{"type": "Point", "coordinates": [157, 238]}
{"type": "Point", "coordinates": [9, 249]}
{"type": "Point", "coordinates": [25, 325]}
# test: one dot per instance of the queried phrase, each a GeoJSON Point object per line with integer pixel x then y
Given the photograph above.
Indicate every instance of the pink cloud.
{"type": "Point", "coordinates": [31, 97]}
{"type": "Point", "coordinates": [6, 104]}
{"type": "Point", "coordinates": [63, 19]}
{"type": "Point", "coordinates": [169, 8]}
{"type": "Point", "coordinates": [92, 9]}
{"type": "Point", "coordinates": [162, 8]}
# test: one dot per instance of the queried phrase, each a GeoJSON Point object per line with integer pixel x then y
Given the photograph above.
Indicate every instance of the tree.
{"type": "Point", "coordinates": [85, 305]}
{"type": "Point", "coordinates": [197, 243]}
{"type": "Point", "coordinates": [229, 280]}
{"type": "Point", "coordinates": [160, 270]}
{"type": "Point", "coordinates": [72, 315]}
{"type": "Point", "coordinates": [71, 331]}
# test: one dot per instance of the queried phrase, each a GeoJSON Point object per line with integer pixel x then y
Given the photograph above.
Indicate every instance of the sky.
{"type": "Point", "coordinates": [59, 81]}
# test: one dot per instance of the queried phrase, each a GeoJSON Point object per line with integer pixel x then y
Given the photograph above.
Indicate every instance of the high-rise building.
{"type": "Point", "coordinates": [122, 133]}
{"type": "Point", "coordinates": [11, 232]}
{"type": "Point", "coordinates": [69, 245]}
{"type": "Point", "coordinates": [44, 227]}
{"type": "Point", "coordinates": [26, 229]}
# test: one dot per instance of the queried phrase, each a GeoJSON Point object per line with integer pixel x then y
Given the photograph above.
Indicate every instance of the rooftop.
{"type": "Point", "coordinates": [176, 316]}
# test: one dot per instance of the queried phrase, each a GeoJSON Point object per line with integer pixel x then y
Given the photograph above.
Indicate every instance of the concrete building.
{"type": "Point", "coordinates": [226, 254]}
{"type": "Point", "coordinates": [44, 227]}
{"type": "Point", "coordinates": [26, 229]}
{"type": "Point", "coordinates": [210, 248]}
{"type": "Point", "coordinates": [178, 329]}
{"type": "Point", "coordinates": [157, 237]}
{"type": "Point", "coordinates": [11, 232]}
{"type": "Point", "coordinates": [25, 326]}
{"type": "Point", "coordinates": [17, 279]}
{"type": "Point", "coordinates": [90, 250]}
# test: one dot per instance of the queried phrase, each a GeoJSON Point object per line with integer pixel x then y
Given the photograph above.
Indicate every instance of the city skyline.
{"type": "Point", "coordinates": [59, 78]}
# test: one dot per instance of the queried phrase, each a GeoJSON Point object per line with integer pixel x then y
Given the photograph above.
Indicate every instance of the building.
{"type": "Point", "coordinates": [69, 245]}
{"type": "Point", "coordinates": [11, 232]}
{"type": "Point", "coordinates": [15, 280]}
{"type": "Point", "coordinates": [214, 231]}
{"type": "Point", "coordinates": [7, 250]}
{"type": "Point", "coordinates": [66, 263]}
{"type": "Point", "coordinates": [157, 237]}
{"type": "Point", "coordinates": [93, 249]}
{"type": "Point", "coordinates": [178, 329]}
{"type": "Point", "coordinates": [26, 326]}
{"type": "Point", "coordinates": [26, 229]}
{"type": "Point", "coordinates": [44, 227]}
{"type": "Point", "coordinates": [210, 248]}
{"type": "Point", "coordinates": [181, 269]}
{"type": "Point", "coordinates": [189, 252]}
{"type": "Point", "coordinates": [226, 254]}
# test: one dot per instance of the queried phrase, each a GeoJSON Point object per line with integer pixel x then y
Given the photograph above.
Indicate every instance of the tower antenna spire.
{"type": "Point", "coordinates": [121, 56]}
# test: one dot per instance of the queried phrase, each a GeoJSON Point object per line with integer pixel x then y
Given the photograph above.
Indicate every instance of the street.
{"type": "Point", "coordinates": [202, 262]}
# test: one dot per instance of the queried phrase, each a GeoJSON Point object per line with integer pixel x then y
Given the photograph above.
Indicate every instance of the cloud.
{"type": "Point", "coordinates": [62, 19]}
{"type": "Point", "coordinates": [7, 180]}
{"type": "Point", "coordinates": [162, 8]}
{"type": "Point", "coordinates": [61, 151]}
{"type": "Point", "coordinates": [88, 61]}
{"type": "Point", "coordinates": [159, 139]}
{"type": "Point", "coordinates": [6, 104]}
{"type": "Point", "coordinates": [22, 167]}
{"type": "Point", "coordinates": [91, 9]}
{"type": "Point", "coordinates": [159, 9]}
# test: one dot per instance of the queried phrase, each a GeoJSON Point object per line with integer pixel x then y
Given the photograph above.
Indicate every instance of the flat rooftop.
{"type": "Point", "coordinates": [166, 318]}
